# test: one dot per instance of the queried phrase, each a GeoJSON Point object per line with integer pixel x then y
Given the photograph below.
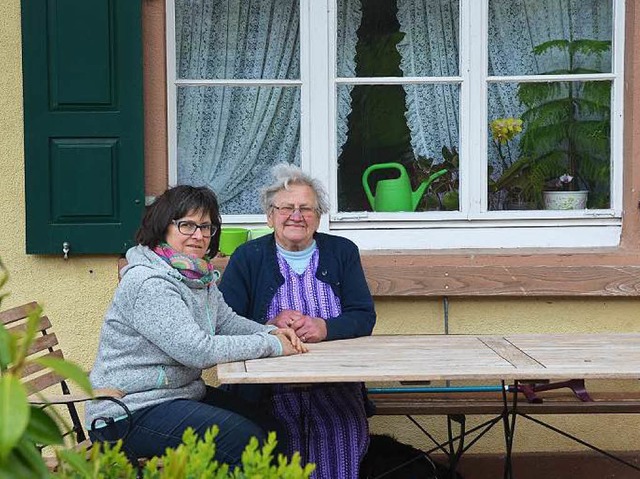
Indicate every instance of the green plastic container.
{"type": "Point", "coordinates": [231, 238]}
{"type": "Point", "coordinates": [258, 232]}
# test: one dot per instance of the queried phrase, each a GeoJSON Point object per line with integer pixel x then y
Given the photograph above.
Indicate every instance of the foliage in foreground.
{"type": "Point", "coordinates": [25, 427]}
{"type": "Point", "coordinates": [192, 459]}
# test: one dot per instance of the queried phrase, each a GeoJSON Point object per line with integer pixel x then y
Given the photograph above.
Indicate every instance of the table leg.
{"type": "Point", "coordinates": [455, 454]}
{"type": "Point", "coordinates": [447, 447]}
{"type": "Point", "coordinates": [509, 424]}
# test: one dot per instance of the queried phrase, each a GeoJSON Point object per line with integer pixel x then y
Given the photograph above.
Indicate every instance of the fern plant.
{"type": "Point", "coordinates": [568, 123]}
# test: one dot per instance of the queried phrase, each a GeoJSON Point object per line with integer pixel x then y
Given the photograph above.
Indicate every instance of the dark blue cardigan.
{"type": "Point", "coordinates": [252, 278]}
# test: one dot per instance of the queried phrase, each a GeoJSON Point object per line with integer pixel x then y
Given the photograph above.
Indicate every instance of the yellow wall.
{"type": "Point", "coordinates": [75, 293]}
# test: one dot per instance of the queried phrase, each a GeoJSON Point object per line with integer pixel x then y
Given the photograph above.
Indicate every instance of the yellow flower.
{"type": "Point", "coordinates": [504, 129]}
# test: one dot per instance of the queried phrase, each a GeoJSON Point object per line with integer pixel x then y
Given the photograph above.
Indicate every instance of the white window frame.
{"type": "Point", "coordinates": [471, 227]}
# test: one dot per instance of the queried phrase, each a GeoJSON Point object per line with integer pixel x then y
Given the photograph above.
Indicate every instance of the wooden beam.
{"type": "Point", "coordinates": [421, 280]}
{"type": "Point", "coordinates": [500, 275]}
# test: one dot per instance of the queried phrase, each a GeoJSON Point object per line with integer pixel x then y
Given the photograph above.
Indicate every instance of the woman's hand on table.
{"type": "Point", "coordinates": [309, 329]}
{"type": "Point", "coordinates": [291, 343]}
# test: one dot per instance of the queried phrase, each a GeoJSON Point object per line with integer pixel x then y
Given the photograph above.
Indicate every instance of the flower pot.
{"type": "Point", "coordinates": [231, 238]}
{"type": "Point", "coordinates": [565, 200]}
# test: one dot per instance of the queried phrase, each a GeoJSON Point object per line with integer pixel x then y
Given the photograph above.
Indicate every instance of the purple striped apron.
{"type": "Point", "coordinates": [326, 423]}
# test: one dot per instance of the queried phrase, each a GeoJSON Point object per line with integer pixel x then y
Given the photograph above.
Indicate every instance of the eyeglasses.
{"type": "Point", "coordinates": [286, 211]}
{"type": "Point", "coordinates": [189, 228]}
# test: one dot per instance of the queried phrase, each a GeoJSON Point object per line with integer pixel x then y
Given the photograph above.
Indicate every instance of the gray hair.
{"type": "Point", "coordinates": [286, 174]}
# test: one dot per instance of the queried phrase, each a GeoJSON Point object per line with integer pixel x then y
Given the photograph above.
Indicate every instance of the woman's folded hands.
{"type": "Point", "coordinates": [307, 328]}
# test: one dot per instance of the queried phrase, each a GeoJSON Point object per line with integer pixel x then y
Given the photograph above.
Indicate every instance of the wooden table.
{"type": "Point", "coordinates": [506, 359]}
{"type": "Point", "coordinates": [454, 357]}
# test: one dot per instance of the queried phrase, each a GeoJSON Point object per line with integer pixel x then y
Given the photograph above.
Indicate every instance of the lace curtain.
{"type": "Point", "coordinates": [229, 137]}
{"type": "Point", "coordinates": [430, 48]}
{"type": "Point", "coordinates": [349, 17]}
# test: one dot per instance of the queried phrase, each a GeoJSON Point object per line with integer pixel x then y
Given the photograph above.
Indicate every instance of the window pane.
{"type": "Point", "coordinates": [397, 38]}
{"type": "Point", "coordinates": [549, 136]}
{"type": "Point", "coordinates": [528, 37]}
{"type": "Point", "coordinates": [236, 39]}
{"type": "Point", "coordinates": [228, 137]}
{"type": "Point", "coordinates": [415, 126]}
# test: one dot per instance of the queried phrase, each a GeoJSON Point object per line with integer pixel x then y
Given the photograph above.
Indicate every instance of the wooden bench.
{"type": "Point", "coordinates": [42, 383]}
{"type": "Point", "coordinates": [457, 405]}
{"type": "Point", "coordinates": [36, 378]}
{"type": "Point", "coordinates": [476, 403]}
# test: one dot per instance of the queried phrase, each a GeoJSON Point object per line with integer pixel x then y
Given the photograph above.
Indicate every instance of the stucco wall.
{"type": "Point", "coordinates": [75, 293]}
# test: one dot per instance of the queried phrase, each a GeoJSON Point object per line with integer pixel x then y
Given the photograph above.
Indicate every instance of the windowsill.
{"type": "Point", "coordinates": [596, 272]}
{"type": "Point", "coordinates": [463, 237]}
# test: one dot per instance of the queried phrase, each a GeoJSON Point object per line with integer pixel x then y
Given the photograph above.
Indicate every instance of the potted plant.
{"type": "Point", "coordinates": [442, 193]}
{"type": "Point", "coordinates": [568, 125]}
{"type": "Point", "coordinates": [558, 194]}
{"type": "Point", "coordinates": [512, 189]}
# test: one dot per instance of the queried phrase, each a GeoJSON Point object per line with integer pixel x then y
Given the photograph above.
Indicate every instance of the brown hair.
{"type": "Point", "coordinates": [174, 204]}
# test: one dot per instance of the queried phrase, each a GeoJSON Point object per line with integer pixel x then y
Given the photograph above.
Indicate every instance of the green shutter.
{"type": "Point", "coordinates": [82, 64]}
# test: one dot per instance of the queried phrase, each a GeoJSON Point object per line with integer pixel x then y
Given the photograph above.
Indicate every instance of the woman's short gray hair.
{"type": "Point", "coordinates": [286, 174]}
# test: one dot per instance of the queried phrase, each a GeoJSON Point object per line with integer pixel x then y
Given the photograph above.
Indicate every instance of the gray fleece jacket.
{"type": "Point", "coordinates": [161, 331]}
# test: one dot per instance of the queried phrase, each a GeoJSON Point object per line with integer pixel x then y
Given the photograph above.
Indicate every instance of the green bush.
{"type": "Point", "coordinates": [23, 426]}
{"type": "Point", "coordinates": [192, 459]}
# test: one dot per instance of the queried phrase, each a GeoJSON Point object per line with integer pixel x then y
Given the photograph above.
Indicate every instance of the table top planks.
{"type": "Point", "coordinates": [455, 357]}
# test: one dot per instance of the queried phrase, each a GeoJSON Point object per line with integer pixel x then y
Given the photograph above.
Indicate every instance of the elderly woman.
{"type": "Point", "coordinates": [167, 322]}
{"type": "Point", "coordinates": [314, 284]}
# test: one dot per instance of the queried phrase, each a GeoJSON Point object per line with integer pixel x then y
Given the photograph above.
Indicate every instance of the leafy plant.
{"type": "Point", "coordinates": [24, 427]}
{"type": "Point", "coordinates": [105, 462]}
{"type": "Point", "coordinates": [568, 123]}
{"type": "Point", "coordinates": [503, 130]}
{"type": "Point", "coordinates": [442, 193]}
{"type": "Point", "coordinates": [192, 458]}
{"type": "Point", "coordinates": [514, 179]}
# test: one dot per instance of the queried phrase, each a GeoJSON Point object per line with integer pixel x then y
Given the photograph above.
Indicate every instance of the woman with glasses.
{"type": "Point", "coordinates": [167, 322]}
{"type": "Point", "coordinates": [313, 283]}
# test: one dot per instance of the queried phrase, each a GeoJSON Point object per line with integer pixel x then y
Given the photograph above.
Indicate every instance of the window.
{"type": "Point", "coordinates": [471, 109]}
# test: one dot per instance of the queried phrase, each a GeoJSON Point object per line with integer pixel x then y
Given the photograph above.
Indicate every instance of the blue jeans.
{"type": "Point", "coordinates": [158, 427]}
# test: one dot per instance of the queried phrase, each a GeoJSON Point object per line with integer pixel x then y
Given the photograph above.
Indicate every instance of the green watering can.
{"type": "Point", "coordinates": [395, 194]}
